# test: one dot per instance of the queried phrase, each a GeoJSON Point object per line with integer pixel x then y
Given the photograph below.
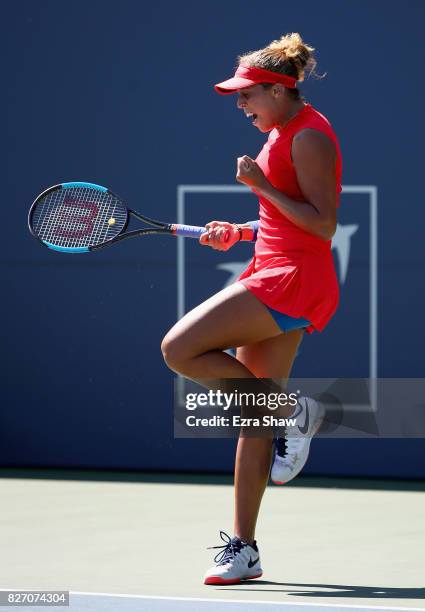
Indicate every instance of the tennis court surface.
{"type": "Point", "coordinates": [141, 544]}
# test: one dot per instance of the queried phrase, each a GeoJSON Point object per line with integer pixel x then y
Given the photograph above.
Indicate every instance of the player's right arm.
{"type": "Point", "coordinates": [222, 235]}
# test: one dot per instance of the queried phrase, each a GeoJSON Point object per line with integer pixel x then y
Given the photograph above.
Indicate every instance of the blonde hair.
{"type": "Point", "coordinates": [289, 55]}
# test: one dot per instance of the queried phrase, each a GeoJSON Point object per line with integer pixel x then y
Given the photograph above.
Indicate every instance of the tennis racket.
{"type": "Point", "coordinates": [82, 217]}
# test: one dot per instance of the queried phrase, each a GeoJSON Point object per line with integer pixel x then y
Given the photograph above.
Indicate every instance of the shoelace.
{"type": "Point", "coordinates": [292, 457]}
{"type": "Point", "coordinates": [230, 549]}
{"type": "Point", "coordinates": [282, 443]}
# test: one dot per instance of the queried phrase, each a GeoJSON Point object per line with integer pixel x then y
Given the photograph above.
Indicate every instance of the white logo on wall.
{"type": "Point", "coordinates": [341, 243]}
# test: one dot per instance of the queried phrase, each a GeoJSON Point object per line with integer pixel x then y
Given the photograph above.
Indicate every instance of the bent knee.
{"type": "Point", "coordinates": [174, 353]}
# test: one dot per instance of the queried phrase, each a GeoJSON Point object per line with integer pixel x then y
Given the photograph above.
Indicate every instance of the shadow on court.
{"type": "Point", "coordinates": [334, 590]}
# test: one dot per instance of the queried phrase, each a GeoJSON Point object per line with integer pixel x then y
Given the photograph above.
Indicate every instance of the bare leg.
{"type": "Point", "coordinates": [271, 358]}
{"type": "Point", "coordinates": [195, 346]}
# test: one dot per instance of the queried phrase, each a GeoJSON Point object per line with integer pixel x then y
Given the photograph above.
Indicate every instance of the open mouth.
{"type": "Point", "coordinates": [253, 116]}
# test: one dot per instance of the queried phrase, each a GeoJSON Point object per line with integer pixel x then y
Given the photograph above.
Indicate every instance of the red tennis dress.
{"type": "Point", "coordinates": [292, 271]}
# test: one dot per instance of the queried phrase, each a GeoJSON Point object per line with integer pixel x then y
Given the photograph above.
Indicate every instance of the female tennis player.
{"type": "Point", "coordinates": [289, 286]}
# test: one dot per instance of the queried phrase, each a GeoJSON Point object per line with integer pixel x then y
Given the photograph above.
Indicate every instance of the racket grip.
{"type": "Point", "coordinates": [188, 231]}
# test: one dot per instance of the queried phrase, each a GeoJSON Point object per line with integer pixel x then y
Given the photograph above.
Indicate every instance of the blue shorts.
{"type": "Point", "coordinates": [287, 323]}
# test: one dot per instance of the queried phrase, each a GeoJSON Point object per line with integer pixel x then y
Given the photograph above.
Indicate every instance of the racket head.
{"type": "Point", "coordinates": [77, 217]}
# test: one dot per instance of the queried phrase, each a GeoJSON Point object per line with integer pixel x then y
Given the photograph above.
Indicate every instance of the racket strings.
{"type": "Point", "coordinates": [78, 217]}
{"type": "Point", "coordinates": [51, 223]}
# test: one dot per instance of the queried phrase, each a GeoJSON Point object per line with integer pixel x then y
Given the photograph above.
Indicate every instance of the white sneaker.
{"type": "Point", "coordinates": [237, 561]}
{"type": "Point", "coordinates": [292, 450]}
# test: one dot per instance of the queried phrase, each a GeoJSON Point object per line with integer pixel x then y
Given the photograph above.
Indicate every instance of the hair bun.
{"type": "Point", "coordinates": [288, 55]}
{"type": "Point", "coordinates": [291, 47]}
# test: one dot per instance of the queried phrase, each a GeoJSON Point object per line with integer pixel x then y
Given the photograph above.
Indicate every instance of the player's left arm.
{"type": "Point", "coordinates": [314, 158]}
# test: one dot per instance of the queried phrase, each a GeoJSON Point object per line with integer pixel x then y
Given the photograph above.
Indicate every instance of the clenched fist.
{"type": "Point", "coordinates": [220, 235]}
{"type": "Point", "coordinates": [250, 173]}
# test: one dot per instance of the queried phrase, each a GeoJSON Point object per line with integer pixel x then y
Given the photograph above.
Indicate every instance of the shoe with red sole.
{"type": "Point", "coordinates": [237, 561]}
{"type": "Point", "coordinates": [293, 448]}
